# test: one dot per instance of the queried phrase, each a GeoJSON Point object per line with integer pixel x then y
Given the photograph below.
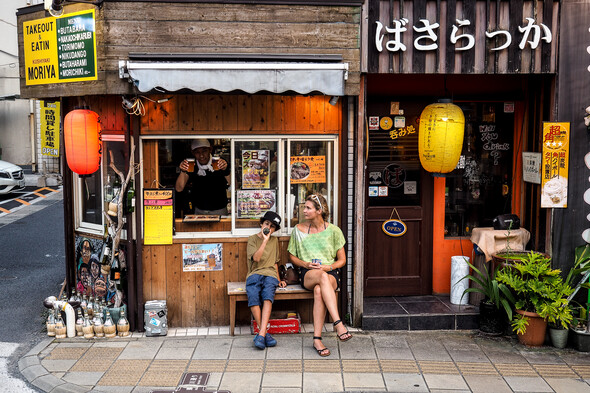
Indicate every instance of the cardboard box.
{"type": "Point", "coordinates": [280, 322]}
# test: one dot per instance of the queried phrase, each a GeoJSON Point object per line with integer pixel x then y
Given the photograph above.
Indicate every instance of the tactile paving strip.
{"type": "Point", "coordinates": [283, 365]}
{"type": "Point", "coordinates": [124, 372]}
{"type": "Point", "coordinates": [399, 366]}
{"type": "Point", "coordinates": [431, 367]}
{"type": "Point", "coordinates": [66, 353]}
{"type": "Point", "coordinates": [555, 371]}
{"type": "Point", "coordinates": [206, 366]}
{"type": "Point", "coordinates": [164, 373]}
{"type": "Point", "coordinates": [361, 366]}
{"type": "Point", "coordinates": [582, 370]}
{"type": "Point", "coordinates": [321, 366]}
{"type": "Point", "coordinates": [515, 370]}
{"type": "Point", "coordinates": [245, 366]}
{"type": "Point", "coordinates": [97, 359]}
{"type": "Point", "coordinates": [473, 368]}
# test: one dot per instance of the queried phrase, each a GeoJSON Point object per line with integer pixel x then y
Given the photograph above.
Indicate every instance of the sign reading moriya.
{"type": "Point", "coordinates": [59, 50]}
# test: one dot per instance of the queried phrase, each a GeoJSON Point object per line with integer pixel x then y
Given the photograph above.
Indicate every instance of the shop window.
{"type": "Point", "coordinates": [262, 169]}
{"type": "Point", "coordinates": [479, 188]}
{"type": "Point", "coordinates": [94, 192]}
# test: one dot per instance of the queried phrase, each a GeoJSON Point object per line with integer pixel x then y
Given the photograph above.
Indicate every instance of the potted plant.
{"type": "Point", "coordinates": [497, 299]}
{"type": "Point", "coordinates": [580, 326]}
{"type": "Point", "coordinates": [541, 296]}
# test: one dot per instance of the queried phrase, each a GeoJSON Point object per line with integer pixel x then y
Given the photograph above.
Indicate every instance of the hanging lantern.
{"type": "Point", "coordinates": [82, 141]}
{"type": "Point", "coordinates": [440, 136]}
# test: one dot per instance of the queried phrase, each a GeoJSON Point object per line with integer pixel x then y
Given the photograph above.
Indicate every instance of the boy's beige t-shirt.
{"type": "Point", "coordinates": [270, 256]}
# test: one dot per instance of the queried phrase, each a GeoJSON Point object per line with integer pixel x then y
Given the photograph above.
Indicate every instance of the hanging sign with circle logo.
{"type": "Point", "coordinates": [393, 227]}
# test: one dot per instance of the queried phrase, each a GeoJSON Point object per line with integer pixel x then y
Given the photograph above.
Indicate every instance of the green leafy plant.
{"type": "Point", "coordinates": [494, 292]}
{"type": "Point", "coordinates": [537, 288]}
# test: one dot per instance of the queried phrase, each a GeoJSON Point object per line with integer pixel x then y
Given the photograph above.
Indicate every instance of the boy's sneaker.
{"type": "Point", "coordinates": [259, 342]}
{"type": "Point", "coordinates": [270, 342]}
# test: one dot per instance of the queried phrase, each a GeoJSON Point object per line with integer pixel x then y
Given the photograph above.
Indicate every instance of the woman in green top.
{"type": "Point", "coordinates": [317, 247]}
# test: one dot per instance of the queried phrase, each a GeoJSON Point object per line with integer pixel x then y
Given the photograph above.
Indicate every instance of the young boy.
{"type": "Point", "coordinates": [263, 275]}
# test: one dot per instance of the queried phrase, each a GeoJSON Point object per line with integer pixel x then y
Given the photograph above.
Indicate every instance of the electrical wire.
{"type": "Point", "coordinates": [134, 106]}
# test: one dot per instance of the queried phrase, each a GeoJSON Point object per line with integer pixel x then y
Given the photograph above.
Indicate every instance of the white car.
{"type": "Point", "coordinates": [12, 178]}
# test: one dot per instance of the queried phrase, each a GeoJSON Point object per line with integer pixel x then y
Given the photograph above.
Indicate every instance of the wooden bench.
{"type": "Point", "coordinates": [237, 293]}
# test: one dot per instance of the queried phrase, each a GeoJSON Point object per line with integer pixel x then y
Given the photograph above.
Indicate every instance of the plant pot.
{"type": "Point", "coordinates": [506, 258]}
{"type": "Point", "coordinates": [534, 336]}
{"type": "Point", "coordinates": [558, 337]}
{"type": "Point", "coordinates": [580, 340]}
{"type": "Point", "coordinates": [492, 321]}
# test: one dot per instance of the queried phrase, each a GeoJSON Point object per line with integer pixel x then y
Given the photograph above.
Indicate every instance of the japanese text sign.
{"type": "Point", "coordinates": [308, 169]}
{"type": "Point", "coordinates": [158, 216]}
{"type": "Point", "coordinates": [59, 50]}
{"type": "Point", "coordinates": [554, 174]}
{"type": "Point", "coordinates": [50, 126]}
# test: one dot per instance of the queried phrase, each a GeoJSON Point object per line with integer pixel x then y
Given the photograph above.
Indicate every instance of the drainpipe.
{"type": "Point", "coordinates": [32, 135]}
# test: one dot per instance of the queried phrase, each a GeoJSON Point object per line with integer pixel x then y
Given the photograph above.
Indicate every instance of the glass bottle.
{"type": "Point", "coordinates": [87, 328]}
{"type": "Point", "coordinates": [60, 326]}
{"type": "Point", "coordinates": [84, 303]}
{"type": "Point", "coordinates": [105, 262]}
{"type": "Point", "coordinates": [123, 324]}
{"type": "Point", "coordinates": [73, 295]}
{"type": "Point", "coordinates": [50, 323]}
{"type": "Point", "coordinates": [79, 323]}
{"type": "Point", "coordinates": [116, 271]}
{"type": "Point", "coordinates": [109, 328]}
{"type": "Point", "coordinates": [90, 307]}
{"type": "Point", "coordinates": [113, 203]}
{"type": "Point", "coordinates": [108, 190]}
{"type": "Point", "coordinates": [130, 198]}
{"type": "Point", "coordinates": [98, 325]}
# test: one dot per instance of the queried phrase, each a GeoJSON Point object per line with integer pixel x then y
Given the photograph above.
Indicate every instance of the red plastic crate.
{"type": "Point", "coordinates": [280, 322]}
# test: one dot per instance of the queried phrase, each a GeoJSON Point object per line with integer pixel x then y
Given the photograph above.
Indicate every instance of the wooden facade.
{"type": "Point", "coordinates": [484, 16]}
{"type": "Point", "coordinates": [188, 28]}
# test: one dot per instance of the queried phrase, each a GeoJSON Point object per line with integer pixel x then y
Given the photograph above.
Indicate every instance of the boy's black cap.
{"type": "Point", "coordinates": [273, 217]}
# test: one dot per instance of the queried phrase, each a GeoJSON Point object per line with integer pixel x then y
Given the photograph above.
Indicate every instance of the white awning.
{"type": "Point", "coordinates": [250, 77]}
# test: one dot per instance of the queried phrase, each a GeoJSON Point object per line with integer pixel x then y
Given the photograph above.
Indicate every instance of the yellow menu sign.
{"type": "Point", "coordinates": [308, 169]}
{"type": "Point", "coordinates": [50, 120]}
{"type": "Point", "coordinates": [158, 216]}
{"type": "Point", "coordinates": [59, 50]}
{"type": "Point", "coordinates": [555, 164]}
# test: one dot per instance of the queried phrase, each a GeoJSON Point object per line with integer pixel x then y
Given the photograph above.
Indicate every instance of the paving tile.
{"type": "Point", "coordinates": [445, 381]}
{"type": "Point", "coordinates": [555, 371]}
{"type": "Point", "coordinates": [322, 366]}
{"type": "Point", "coordinates": [206, 366]}
{"type": "Point", "coordinates": [110, 344]}
{"type": "Point", "coordinates": [150, 389]}
{"type": "Point", "coordinates": [515, 370]}
{"type": "Point", "coordinates": [582, 370]}
{"type": "Point", "coordinates": [468, 355]}
{"type": "Point", "coordinates": [322, 382]}
{"type": "Point", "coordinates": [202, 331]}
{"type": "Point", "coordinates": [243, 348]}
{"type": "Point", "coordinates": [329, 341]}
{"type": "Point", "coordinates": [97, 359]}
{"type": "Point", "coordinates": [47, 382]}
{"type": "Point", "coordinates": [405, 382]}
{"type": "Point", "coordinates": [174, 353]}
{"type": "Point", "coordinates": [361, 366]}
{"type": "Point", "coordinates": [483, 384]}
{"type": "Point", "coordinates": [213, 331]}
{"type": "Point", "coordinates": [83, 378]}
{"type": "Point", "coordinates": [112, 389]}
{"type": "Point", "coordinates": [57, 365]}
{"type": "Point", "coordinates": [390, 340]}
{"type": "Point", "coordinates": [432, 367]}
{"type": "Point", "coordinates": [181, 342]}
{"type": "Point", "coordinates": [280, 390]}
{"type": "Point", "coordinates": [288, 347]}
{"type": "Point", "coordinates": [125, 372]}
{"type": "Point", "coordinates": [70, 388]}
{"type": "Point", "coordinates": [239, 365]}
{"type": "Point", "coordinates": [67, 352]}
{"type": "Point", "coordinates": [144, 349]}
{"type": "Point", "coordinates": [527, 384]}
{"type": "Point", "coordinates": [34, 372]}
{"type": "Point", "coordinates": [282, 380]}
{"type": "Point", "coordinates": [224, 330]}
{"type": "Point", "coordinates": [164, 373]}
{"type": "Point", "coordinates": [359, 347]}
{"type": "Point", "coordinates": [217, 348]}
{"type": "Point", "coordinates": [241, 382]}
{"type": "Point", "coordinates": [192, 331]}
{"type": "Point", "coordinates": [541, 356]}
{"type": "Point", "coordinates": [399, 366]}
{"type": "Point", "coordinates": [281, 365]}
{"type": "Point", "coordinates": [394, 353]}
{"type": "Point", "coordinates": [568, 385]}
{"type": "Point", "coordinates": [364, 381]}
{"type": "Point", "coordinates": [477, 368]}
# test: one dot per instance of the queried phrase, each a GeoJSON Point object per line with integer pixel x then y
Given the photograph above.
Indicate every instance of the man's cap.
{"type": "Point", "coordinates": [273, 217]}
{"type": "Point", "coordinates": [196, 143]}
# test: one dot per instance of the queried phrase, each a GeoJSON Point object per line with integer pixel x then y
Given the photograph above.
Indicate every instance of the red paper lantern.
{"type": "Point", "coordinates": [82, 141]}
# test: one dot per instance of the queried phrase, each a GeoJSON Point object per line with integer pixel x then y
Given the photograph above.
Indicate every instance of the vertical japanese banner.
{"type": "Point", "coordinates": [255, 165]}
{"type": "Point", "coordinates": [50, 126]}
{"type": "Point", "coordinates": [158, 216]}
{"type": "Point", "coordinates": [555, 164]}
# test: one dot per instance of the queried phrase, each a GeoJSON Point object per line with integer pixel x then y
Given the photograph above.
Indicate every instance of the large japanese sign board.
{"type": "Point", "coordinates": [554, 174]}
{"type": "Point", "coordinates": [158, 216]}
{"type": "Point", "coordinates": [59, 50]}
{"type": "Point", "coordinates": [50, 125]}
{"type": "Point", "coordinates": [308, 169]}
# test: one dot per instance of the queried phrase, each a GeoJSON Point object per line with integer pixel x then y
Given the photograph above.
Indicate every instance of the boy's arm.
{"type": "Point", "coordinates": [282, 283]}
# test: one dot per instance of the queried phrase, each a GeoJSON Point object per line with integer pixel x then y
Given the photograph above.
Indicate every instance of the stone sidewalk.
{"type": "Point", "coordinates": [394, 361]}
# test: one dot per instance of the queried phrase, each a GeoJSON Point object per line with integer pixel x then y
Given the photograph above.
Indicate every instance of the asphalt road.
{"type": "Point", "coordinates": [32, 267]}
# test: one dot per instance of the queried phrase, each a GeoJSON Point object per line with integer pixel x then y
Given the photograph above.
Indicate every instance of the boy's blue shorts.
{"type": "Point", "coordinates": [260, 288]}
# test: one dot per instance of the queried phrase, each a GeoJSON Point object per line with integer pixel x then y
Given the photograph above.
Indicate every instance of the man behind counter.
{"type": "Point", "coordinates": [208, 193]}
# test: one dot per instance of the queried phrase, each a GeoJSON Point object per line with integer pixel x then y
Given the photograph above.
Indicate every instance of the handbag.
{"type": "Point", "coordinates": [506, 221]}
{"type": "Point", "coordinates": [288, 274]}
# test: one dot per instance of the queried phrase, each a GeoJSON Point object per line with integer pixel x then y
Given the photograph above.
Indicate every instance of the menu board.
{"type": "Point", "coordinates": [50, 126]}
{"type": "Point", "coordinates": [255, 165]}
{"type": "Point", "coordinates": [254, 203]}
{"type": "Point", "coordinates": [554, 174]}
{"type": "Point", "coordinates": [308, 169]}
{"type": "Point", "coordinates": [158, 216]}
{"type": "Point", "coordinates": [58, 50]}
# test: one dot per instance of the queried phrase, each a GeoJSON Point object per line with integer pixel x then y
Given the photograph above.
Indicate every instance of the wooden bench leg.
{"type": "Point", "coordinates": [232, 315]}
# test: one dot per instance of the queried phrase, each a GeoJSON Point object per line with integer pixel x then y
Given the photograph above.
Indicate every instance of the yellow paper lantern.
{"type": "Point", "coordinates": [440, 136]}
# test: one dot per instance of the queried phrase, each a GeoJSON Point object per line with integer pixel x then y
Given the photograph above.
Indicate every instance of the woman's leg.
{"type": "Point", "coordinates": [327, 285]}
{"type": "Point", "coordinates": [319, 316]}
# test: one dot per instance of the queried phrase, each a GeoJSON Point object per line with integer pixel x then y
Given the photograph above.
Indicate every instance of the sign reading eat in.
{"type": "Point", "coordinates": [59, 50]}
